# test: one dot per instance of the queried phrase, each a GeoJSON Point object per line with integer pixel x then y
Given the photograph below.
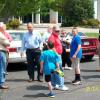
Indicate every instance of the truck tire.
{"type": "Point", "coordinates": [89, 57]}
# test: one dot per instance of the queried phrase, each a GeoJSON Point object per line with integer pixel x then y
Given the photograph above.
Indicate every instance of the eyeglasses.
{"type": "Point", "coordinates": [57, 31]}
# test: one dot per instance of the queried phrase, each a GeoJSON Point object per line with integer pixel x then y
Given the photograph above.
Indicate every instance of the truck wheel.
{"type": "Point", "coordinates": [89, 57]}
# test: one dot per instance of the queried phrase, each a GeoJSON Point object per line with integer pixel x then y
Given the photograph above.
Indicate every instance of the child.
{"type": "Point", "coordinates": [49, 61]}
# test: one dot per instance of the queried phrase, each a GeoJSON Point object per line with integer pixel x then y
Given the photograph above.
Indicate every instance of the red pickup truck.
{"type": "Point", "coordinates": [89, 45]}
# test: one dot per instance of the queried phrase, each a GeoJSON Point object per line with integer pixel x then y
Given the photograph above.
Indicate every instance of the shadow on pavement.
{"type": "Point", "coordinates": [13, 67]}
{"type": "Point", "coordinates": [37, 87]}
{"type": "Point", "coordinates": [85, 60]}
{"type": "Point", "coordinates": [89, 70]}
{"type": "Point", "coordinates": [67, 83]}
{"type": "Point", "coordinates": [36, 96]}
{"type": "Point", "coordinates": [91, 76]}
{"type": "Point", "coordinates": [16, 80]}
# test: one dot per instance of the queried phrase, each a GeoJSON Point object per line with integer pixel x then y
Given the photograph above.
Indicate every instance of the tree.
{"type": "Point", "coordinates": [16, 8]}
{"type": "Point", "coordinates": [74, 11]}
{"type": "Point", "coordinates": [23, 7]}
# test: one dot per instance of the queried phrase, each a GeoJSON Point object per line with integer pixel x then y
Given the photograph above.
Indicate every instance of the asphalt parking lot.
{"type": "Point", "coordinates": [20, 89]}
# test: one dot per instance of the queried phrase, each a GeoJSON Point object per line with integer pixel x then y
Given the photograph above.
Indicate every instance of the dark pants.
{"type": "Point", "coordinates": [65, 59]}
{"type": "Point", "coordinates": [33, 56]}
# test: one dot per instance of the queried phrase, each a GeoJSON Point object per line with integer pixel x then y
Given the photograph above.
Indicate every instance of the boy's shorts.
{"type": "Point", "coordinates": [76, 63]}
{"type": "Point", "coordinates": [47, 78]}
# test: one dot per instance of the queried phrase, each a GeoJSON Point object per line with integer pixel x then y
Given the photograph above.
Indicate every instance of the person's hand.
{"type": "Point", "coordinates": [57, 68]}
{"type": "Point", "coordinates": [74, 56]}
{"type": "Point", "coordinates": [72, 59]}
{"type": "Point", "coordinates": [41, 71]}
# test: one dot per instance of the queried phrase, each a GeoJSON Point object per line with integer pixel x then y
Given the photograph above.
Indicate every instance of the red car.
{"type": "Point", "coordinates": [89, 45]}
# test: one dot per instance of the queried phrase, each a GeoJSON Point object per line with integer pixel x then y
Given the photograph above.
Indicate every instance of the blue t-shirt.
{"type": "Point", "coordinates": [49, 59]}
{"type": "Point", "coordinates": [74, 45]}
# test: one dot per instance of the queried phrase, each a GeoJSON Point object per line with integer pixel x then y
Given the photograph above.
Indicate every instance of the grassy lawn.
{"type": "Point", "coordinates": [92, 35]}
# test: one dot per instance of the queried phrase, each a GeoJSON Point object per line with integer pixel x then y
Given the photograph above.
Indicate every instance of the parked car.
{"type": "Point", "coordinates": [89, 45]}
{"type": "Point", "coordinates": [15, 46]}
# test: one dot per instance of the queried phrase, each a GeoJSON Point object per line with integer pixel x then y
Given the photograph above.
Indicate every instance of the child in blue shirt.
{"type": "Point", "coordinates": [49, 61]}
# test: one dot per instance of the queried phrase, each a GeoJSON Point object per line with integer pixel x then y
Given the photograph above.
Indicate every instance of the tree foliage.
{"type": "Point", "coordinates": [23, 7]}
{"type": "Point", "coordinates": [74, 11]}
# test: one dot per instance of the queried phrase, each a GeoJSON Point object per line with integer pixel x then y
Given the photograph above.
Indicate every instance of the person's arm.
{"type": "Point", "coordinates": [40, 41]}
{"type": "Point", "coordinates": [41, 62]}
{"type": "Point", "coordinates": [8, 36]}
{"type": "Point", "coordinates": [57, 59]}
{"type": "Point", "coordinates": [4, 41]}
{"type": "Point", "coordinates": [39, 38]}
{"type": "Point", "coordinates": [41, 66]}
{"type": "Point", "coordinates": [57, 66]}
{"type": "Point", "coordinates": [78, 49]}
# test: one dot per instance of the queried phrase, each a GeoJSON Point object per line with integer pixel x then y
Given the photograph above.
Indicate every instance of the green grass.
{"type": "Point", "coordinates": [92, 35]}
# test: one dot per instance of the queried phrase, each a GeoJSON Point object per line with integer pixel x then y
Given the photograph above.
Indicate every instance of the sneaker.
{"type": "Point", "coordinates": [40, 80]}
{"type": "Point", "coordinates": [4, 87]}
{"type": "Point", "coordinates": [30, 80]}
{"type": "Point", "coordinates": [56, 87]}
{"type": "Point", "coordinates": [68, 68]}
{"type": "Point", "coordinates": [6, 73]}
{"type": "Point", "coordinates": [51, 95]}
{"type": "Point", "coordinates": [59, 72]}
{"type": "Point", "coordinates": [64, 88]}
{"type": "Point", "coordinates": [76, 82]}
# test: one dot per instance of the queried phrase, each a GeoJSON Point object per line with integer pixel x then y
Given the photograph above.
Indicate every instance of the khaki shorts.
{"type": "Point", "coordinates": [76, 63]}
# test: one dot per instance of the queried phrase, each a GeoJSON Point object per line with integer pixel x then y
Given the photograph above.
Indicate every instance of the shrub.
{"type": "Point", "coordinates": [14, 23]}
{"type": "Point", "coordinates": [84, 22]}
{"type": "Point", "coordinates": [93, 22]}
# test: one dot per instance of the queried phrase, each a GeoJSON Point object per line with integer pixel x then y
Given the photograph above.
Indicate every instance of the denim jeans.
{"type": "Point", "coordinates": [55, 78]}
{"type": "Point", "coordinates": [2, 67]}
